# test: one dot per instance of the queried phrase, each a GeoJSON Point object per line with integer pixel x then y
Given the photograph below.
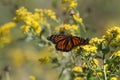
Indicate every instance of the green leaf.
{"type": "Point", "coordinates": [105, 50]}
{"type": "Point", "coordinates": [90, 76]}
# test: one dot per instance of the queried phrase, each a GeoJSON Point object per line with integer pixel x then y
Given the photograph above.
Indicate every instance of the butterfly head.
{"type": "Point", "coordinates": [87, 41]}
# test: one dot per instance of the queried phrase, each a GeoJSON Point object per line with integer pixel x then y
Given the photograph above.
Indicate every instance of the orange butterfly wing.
{"type": "Point", "coordinates": [64, 45]}
{"type": "Point", "coordinates": [56, 38]}
{"type": "Point", "coordinates": [79, 41]}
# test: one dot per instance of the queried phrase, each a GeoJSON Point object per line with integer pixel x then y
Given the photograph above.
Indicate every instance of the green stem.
{"type": "Point", "coordinates": [61, 73]}
{"type": "Point", "coordinates": [104, 68]}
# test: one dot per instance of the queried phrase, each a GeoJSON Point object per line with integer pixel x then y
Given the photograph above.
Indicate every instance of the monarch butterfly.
{"type": "Point", "coordinates": [67, 42]}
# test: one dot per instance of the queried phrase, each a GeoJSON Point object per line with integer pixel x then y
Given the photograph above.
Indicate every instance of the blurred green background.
{"type": "Point", "coordinates": [22, 57]}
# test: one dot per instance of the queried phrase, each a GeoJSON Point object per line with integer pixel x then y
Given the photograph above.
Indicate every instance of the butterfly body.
{"type": "Point", "coordinates": [67, 42]}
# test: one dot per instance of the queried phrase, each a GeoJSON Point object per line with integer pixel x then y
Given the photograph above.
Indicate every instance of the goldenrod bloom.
{"type": "Point", "coordinates": [25, 28]}
{"type": "Point", "coordinates": [95, 41]}
{"type": "Point", "coordinates": [28, 20]}
{"type": "Point", "coordinates": [98, 73]}
{"type": "Point", "coordinates": [117, 54]}
{"type": "Point", "coordinates": [115, 42]}
{"type": "Point", "coordinates": [79, 78]}
{"type": "Point", "coordinates": [34, 21]}
{"type": "Point", "coordinates": [45, 60]}
{"type": "Point", "coordinates": [112, 32]}
{"type": "Point", "coordinates": [94, 63]}
{"type": "Point", "coordinates": [4, 33]}
{"type": "Point", "coordinates": [84, 65]}
{"type": "Point", "coordinates": [73, 4]}
{"type": "Point", "coordinates": [50, 13]}
{"type": "Point", "coordinates": [89, 49]}
{"type": "Point", "coordinates": [22, 14]}
{"type": "Point", "coordinates": [74, 27]}
{"type": "Point", "coordinates": [77, 18]}
{"type": "Point", "coordinates": [32, 78]}
{"type": "Point", "coordinates": [69, 4]}
{"type": "Point", "coordinates": [68, 27]}
{"type": "Point", "coordinates": [113, 78]}
{"type": "Point", "coordinates": [4, 29]}
{"type": "Point", "coordinates": [77, 69]}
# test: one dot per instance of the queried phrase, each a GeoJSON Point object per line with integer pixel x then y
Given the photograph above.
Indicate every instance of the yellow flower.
{"type": "Point", "coordinates": [118, 38]}
{"type": "Point", "coordinates": [89, 49]}
{"type": "Point", "coordinates": [38, 30]}
{"type": "Point", "coordinates": [113, 78]}
{"type": "Point", "coordinates": [32, 78]}
{"type": "Point", "coordinates": [98, 73]}
{"type": "Point", "coordinates": [79, 78]}
{"type": "Point", "coordinates": [64, 27]}
{"type": "Point", "coordinates": [77, 49]}
{"type": "Point", "coordinates": [73, 4]}
{"type": "Point", "coordinates": [115, 42]}
{"type": "Point", "coordinates": [50, 13]}
{"type": "Point", "coordinates": [45, 60]}
{"type": "Point", "coordinates": [68, 27]}
{"type": "Point", "coordinates": [35, 24]}
{"type": "Point", "coordinates": [69, 4]}
{"type": "Point", "coordinates": [77, 18]}
{"type": "Point", "coordinates": [4, 29]}
{"type": "Point", "coordinates": [28, 20]}
{"type": "Point", "coordinates": [25, 28]}
{"type": "Point", "coordinates": [94, 63]}
{"type": "Point", "coordinates": [4, 40]}
{"type": "Point", "coordinates": [112, 32]}
{"type": "Point", "coordinates": [74, 27]}
{"type": "Point", "coordinates": [22, 14]}
{"type": "Point", "coordinates": [84, 65]}
{"type": "Point", "coordinates": [77, 69]}
{"type": "Point", "coordinates": [95, 41]}
{"type": "Point", "coordinates": [117, 54]}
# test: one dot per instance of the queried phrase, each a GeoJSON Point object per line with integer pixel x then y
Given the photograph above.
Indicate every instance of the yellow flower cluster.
{"type": "Point", "coordinates": [30, 20]}
{"type": "Point", "coordinates": [112, 32]}
{"type": "Point", "coordinates": [4, 29]}
{"type": "Point", "coordinates": [79, 78]}
{"type": "Point", "coordinates": [69, 4]}
{"type": "Point", "coordinates": [94, 63]}
{"type": "Point", "coordinates": [95, 41]}
{"type": "Point", "coordinates": [45, 60]}
{"type": "Point", "coordinates": [77, 18]}
{"type": "Point", "coordinates": [113, 78]}
{"type": "Point", "coordinates": [77, 69]}
{"type": "Point", "coordinates": [98, 73]}
{"type": "Point", "coordinates": [89, 49]}
{"type": "Point", "coordinates": [116, 41]}
{"type": "Point", "coordinates": [67, 28]}
{"type": "Point", "coordinates": [50, 13]}
{"type": "Point", "coordinates": [117, 54]}
{"type": "Point", "coordinates": [4, 33]}
{"type": "Point", "coordinates": [32, 78]}
{"type": "Point", "coordinates": [34, 21]}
